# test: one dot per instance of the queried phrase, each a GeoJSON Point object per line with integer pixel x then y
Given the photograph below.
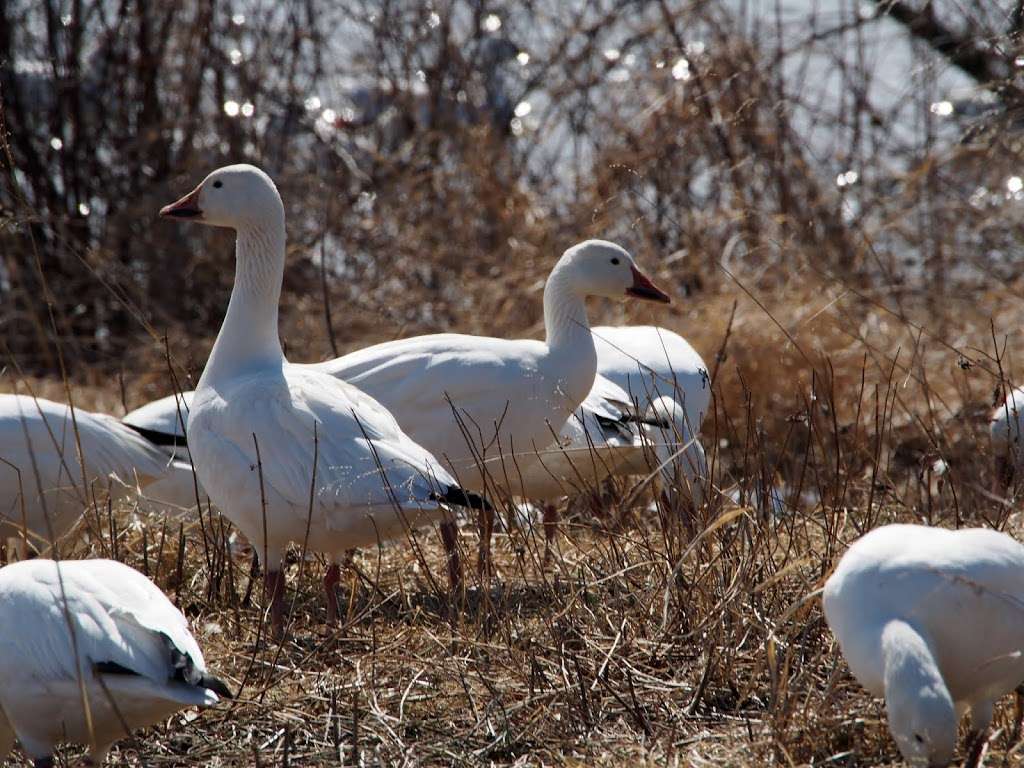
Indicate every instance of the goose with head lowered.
{"type": "Point", "coordinates": [489, 406]}
{"type": "Point", "coordinates": [54, 459]}
{"type": "Point", "coordinates": [933, 621]}
{"type": "Point", "coordinates": [88, 650]}
{"type": "Point", "coordinates": [287, 452]}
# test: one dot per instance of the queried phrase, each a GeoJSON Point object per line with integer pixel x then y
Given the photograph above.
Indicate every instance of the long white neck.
{"type": "Point", "coordinates": [915, 691]}
{"type": "Point", "coordinates": [248, 338]}
{"type": "Point", "coordinates": [570, 344]}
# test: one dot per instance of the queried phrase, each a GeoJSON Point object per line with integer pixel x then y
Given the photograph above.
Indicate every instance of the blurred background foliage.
{"type": "Point", "coordinates": [853, 161]}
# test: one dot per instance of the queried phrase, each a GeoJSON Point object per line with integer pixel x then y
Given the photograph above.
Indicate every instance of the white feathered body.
{"type": "Point", "coordinates": [650, 362]}
{"type": "Point", "coordinates": [467, 398]}
{"type": "Point", "coordinates": [593, 444]}
{"type": "Point", "coordinates": [1005, 428]}
{"type": "Point", "coordinates": [295, 414]}
{"type": "Point", "coordinates": [41, 473]}
{"type": "Point", "coordinates": [963, 591]}
{"type": "Point", "coordinates": [119, 617]}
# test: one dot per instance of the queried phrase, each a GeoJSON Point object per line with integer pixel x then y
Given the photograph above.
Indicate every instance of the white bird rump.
{"type": "Point", "coordinates": [306, 422]}
{"type": "Point", "coordinates": [47, 482]}
{"type": "Point", "coordinates": [98, 627]}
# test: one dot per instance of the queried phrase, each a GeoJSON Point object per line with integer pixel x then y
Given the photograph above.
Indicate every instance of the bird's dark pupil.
{"type": "Point", "coordinates": [919, 737]}
{"type": "Point", "coordinates": [218, 184]}
{"type": "Point", "coordinates": [615, 261]}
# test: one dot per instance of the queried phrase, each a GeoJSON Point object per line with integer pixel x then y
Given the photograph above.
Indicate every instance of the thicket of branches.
{"type": "Point", "coordinates": [429, 152]}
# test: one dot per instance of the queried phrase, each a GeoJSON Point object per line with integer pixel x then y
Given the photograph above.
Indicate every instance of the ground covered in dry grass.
{"type": "Point", "coordinates": [655, 636]}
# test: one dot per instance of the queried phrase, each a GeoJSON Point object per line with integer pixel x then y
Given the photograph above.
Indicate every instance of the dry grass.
{"type": "Point", "coordinates": [857, 335]}
{"type": "Point", "coordinates": [653, 638]}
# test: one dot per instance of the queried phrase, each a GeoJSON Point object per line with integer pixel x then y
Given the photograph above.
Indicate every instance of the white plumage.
{"type": "Point", "coordinates": [1005, 435]}
{"type": "Point", "coordinates": [650, 362]}
{"type": "Point", "coordinates": [933, 620]}
{"type": "Point", "coordinates": [127, 647]}
{"type": "Point", "coordinates": [166, 420]}
{"type": "Point", "coordinates": [682, 468]}
{"type": "Point", "coordinates": [473, 398]}
{"type": "Point", "coordinates": [289, 453]}
{"type": "Point", "coordinates": [46, 483]}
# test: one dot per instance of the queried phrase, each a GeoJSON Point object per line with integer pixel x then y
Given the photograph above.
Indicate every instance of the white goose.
{"type": "Point", "coordinates": [44, 486]}
{"type": "Point", "coordinates": [933, 620]}
{"type": "Point", "coordinates": [289, 453]}
{"type": "Point", "coordinates": [511, 396]}
{"type": "Point", "coordinates": [650, 362]}
{"type": "Point", "coordinates": [101, 630]}
{"type": "Point", "coordinates": [1005, 430]}
{"type": "Point", "coordinates": [489, 406]}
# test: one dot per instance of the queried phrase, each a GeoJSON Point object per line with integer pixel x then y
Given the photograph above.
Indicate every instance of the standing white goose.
{"type": "Point", "coordinates": [95, 628]}
{"type": "Point", "coordinates": [287, 452]}
{"type": "Point", "coordinates": [45, 483]}
{"type": "Point", "coordinates": [510, 395]}
{"type": "Point", "coordinates": [933, 620]}
{"type": "Point", "coordinates": [488, 406]}
{"type": "Point", "coordinates": [1005, 429]}
{"type": "Point", "coordinates": [650, 362]}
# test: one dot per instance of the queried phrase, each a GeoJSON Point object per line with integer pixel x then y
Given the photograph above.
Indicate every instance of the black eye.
{"type": "Point", "coordinates": [218, 184]}
{"type": "Point", "coordinates": [919, 738]}
{"type": "Point", "coordinates": [615, 260]}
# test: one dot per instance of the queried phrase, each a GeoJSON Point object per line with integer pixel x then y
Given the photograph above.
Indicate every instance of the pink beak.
{"type": "Point", "coordinates": [643, 288]}
{"type": "Point", "coordinates": [186, 208]}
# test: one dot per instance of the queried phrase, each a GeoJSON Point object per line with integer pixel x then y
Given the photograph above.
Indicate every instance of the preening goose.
{"type": "Point", "coordinates": [288, 452]}
{"type": "Point", "coordinates": [1005, 434]}
{"type": "Point", "coordinates": [650, 362]}
{"type": "Point", "coordinates": [100, 628]}
{"type": "Point", "coordinates": [933, 620]}
{"type": "Point", "coordinates": [45, 483]}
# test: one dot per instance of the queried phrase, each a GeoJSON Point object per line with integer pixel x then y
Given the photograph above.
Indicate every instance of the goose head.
{"type": "Point", "coordinates": [235, 196]}
{"type": "Point", "coordinates": [922, 716]}
{"type": "Point", "coordinates": [600, 268]}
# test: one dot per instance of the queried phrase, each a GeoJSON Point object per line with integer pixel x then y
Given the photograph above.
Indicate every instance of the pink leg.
{"type": "Point", "coordinates": [331, 580]}
{"type": "Point", "coordinates": [483, 563]}
{"type": "Point", "coordinates": [273, 590]}
{"type": "Point", "coordinates": [550, 520]}
{"type": "Point", "coordinates": [450, 537]}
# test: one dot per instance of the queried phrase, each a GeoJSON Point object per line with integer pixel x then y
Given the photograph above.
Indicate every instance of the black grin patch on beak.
{"type": "Point", "coordinates": [184, 213]}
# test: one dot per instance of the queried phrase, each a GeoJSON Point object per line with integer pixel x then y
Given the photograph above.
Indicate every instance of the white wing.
{"type": "Point", "coordinates": [120, 620]}
{"type": "Point", "coordinates": [649, 362]}
{"type": "Point", "coordinates": [495, 386]}
{"type": "Point", "coordinates": [293, 415]}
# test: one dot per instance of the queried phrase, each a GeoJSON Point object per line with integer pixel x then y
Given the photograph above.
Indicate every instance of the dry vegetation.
{"type": "Point", "coordinates": [858, 335]}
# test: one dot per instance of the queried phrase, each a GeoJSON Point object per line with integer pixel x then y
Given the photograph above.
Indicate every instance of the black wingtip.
{"type": "Point", "coordinates": [156, 437]}
{"type": "Point", "coordinates": [460, 497]}
{"type": "Point", "coordinates": [216, 685]}
{"type": "Point", "coordinates": [631, 418]}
